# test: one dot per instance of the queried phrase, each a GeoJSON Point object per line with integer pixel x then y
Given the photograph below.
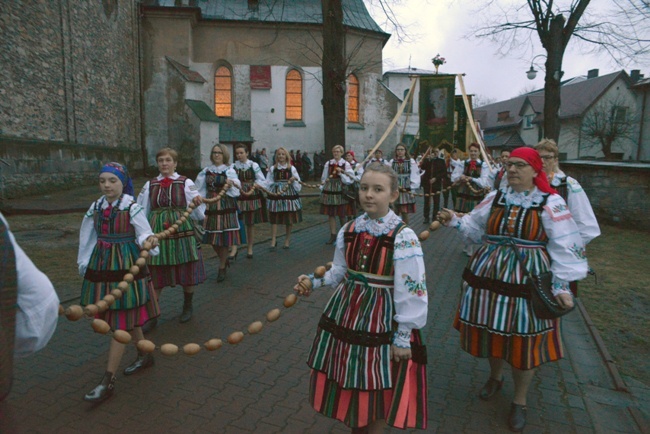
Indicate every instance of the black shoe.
{"type": "Point", "coordinates": [142, 362]}
{"type": "Point", "coordinates": [104, 389]}
{"type": "Point", "coordinates": [233, 257]}
{"type": "Point", "coordinates": [186, 315]}
{"type": "Point", "coordinates": [222, 275]}
{"type": "Point", "coordinates": [490, 388]}
{"type": "Point", "coordinates": [149, 325]}
{"type": "Point", "coordinates": [249, 256]}
{"type": "Point", "coordinates": [332, 239]}
{"type": "Point", "coordinates": [517, 417]}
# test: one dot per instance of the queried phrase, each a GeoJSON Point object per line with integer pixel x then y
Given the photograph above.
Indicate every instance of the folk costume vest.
{"type": "Point", "coordinates": [250, 202]}
{"type": "Point", "coordinates": [8, 306]}
{"type": "Point", "coordinates": [474, 172]}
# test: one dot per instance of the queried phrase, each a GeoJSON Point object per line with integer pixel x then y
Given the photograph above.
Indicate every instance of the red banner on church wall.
{"type": "Point", "coordinates": [260, 76]}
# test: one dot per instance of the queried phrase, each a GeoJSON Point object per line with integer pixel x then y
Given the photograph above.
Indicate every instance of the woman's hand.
{"type": "Point", "coordinates": [292, 179]}
{"type": "Point", "coordinates": [397, 354]}
{"type": "Point", "coordinates": [565, 300]}
{"type": "Point", "coordinates": [153, 240]}
{"type": "Point", "coordinates": [303, 289]}
{"type": "Point", "coordinates": [229, 182]}
{"type": "Point", "coordinates": [197, 200]}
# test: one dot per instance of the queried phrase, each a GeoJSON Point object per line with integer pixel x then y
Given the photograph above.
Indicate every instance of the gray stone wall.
{"type": "Point", "coordinates": [69, 78]}
{"type": "Point", "coordinates": [619, 192]}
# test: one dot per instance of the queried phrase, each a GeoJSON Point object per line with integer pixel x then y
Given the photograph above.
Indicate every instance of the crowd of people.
{"type": "Point", "coordinates": [368, 362]}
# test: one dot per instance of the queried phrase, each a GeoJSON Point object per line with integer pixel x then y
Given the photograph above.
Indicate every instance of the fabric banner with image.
{"type": "Point", "coordinates": [437, 108]}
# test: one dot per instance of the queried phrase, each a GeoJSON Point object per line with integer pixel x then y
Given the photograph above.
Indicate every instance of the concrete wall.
{"type": "Point", "coordinates": [69, 75]}
{"type": "Point", "coordinates": [619, 192]}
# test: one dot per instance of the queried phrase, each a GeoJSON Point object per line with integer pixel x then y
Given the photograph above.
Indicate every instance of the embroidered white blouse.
{"type": "Point", "coordinates": [259, 175]}
{"type": "Point", "coordinates": [88, 234]}
{"type": "Point", "coordinates": [347, 177]}
{"type": "Point", "coordinates": [410, 293]}
{"type": "Point", "coordinates": [416, 173]}
{"type": "Point", "coordinates": [579, 206]}
{"type": "Point", "coordinates": [565, 246]}
{"type": "Point", "coordinates": [294, 173]}
{"type": "Point", "coordinates": [482, 181]}
{"type": "Point", "coordinates": [230, 174]}
{"type": "Point", "coordinates": [191, 191]}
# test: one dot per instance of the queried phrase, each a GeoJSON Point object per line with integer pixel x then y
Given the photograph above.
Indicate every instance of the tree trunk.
{"type": "Point", "coordinates": [334, 74]}
{"type": "Point", "coordinates": [554, 45]}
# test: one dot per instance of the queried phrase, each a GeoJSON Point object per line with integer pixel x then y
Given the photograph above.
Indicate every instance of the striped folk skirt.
{"type": "Point", "coordinates": [222, 223]}
{"type": "Point", "coordinates": [466, 200]}
{"type": "Point", "coordinates": [252, 208]}
{"type": "Point", "coordinates": [353, 378]}
{"type": "Point", "coordinates": [285, 209]}
{"type": "Point", "coordinates": [405, 203]}
{"type": "Point", "coordinates": [332, 201]}
{"type": "Point", "coordinates": [108, 264]}
{"type": "Point", "coordinates": [180, 261]}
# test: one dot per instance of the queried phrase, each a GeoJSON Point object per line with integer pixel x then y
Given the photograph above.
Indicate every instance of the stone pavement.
{"type": "Point", "coordinates": [261, 384]}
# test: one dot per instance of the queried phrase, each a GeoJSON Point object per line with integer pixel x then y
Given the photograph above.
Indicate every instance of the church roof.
{"type": "Point", "coordinates": [186, 72]}
{"type": "Point", "coordinates": [355, 13]}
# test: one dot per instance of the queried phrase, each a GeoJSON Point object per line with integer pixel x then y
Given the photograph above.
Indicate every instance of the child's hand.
{"type": "Point", "coordinates": [197, 200]}
{"type": "Point", "coordinates": [301, 287]}
{"type": "Point", "coordinates": [398, 354]}
{"type": "Point", "coordinates": [154, 241]}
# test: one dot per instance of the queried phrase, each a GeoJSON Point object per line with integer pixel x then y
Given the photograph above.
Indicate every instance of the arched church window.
{"type": "Point", "coordinates": [223, 92]}
{"type": "Point", "coordinates": [293, 99]}
{"type": "Point", "coordinates": [353, 98]}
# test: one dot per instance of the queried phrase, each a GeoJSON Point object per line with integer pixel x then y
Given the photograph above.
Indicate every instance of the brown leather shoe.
{"type": "Point", "coordinates": [517, 417]}
{"type": "Point", "coordinates": [490, 388]}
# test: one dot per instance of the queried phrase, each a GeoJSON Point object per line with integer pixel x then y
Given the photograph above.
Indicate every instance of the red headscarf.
{"type": "Point", "coordinates": [531, 156]}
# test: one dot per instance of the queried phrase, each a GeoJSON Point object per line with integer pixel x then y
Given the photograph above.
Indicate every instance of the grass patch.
{"type": "Point", "coordinates": [619, 303]}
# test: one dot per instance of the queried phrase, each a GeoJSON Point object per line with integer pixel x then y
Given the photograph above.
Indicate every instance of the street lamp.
{"type": "Point", "coordinates": [532, 72]}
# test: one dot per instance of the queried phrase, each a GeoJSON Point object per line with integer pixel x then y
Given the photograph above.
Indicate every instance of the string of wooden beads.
{"type": "Point", "coordinates": [76, 312]}
{"type": "Point", "coordinates": [481, 191]}
{"type": "Point", "coordinates": [434, 226]}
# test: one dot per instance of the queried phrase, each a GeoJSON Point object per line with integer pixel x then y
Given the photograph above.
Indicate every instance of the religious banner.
{"type": "Point", "coordinates": [461, 128]}
{"type": "Point", "coordinates": [436, 103]}
{"type": "Point", "coordinates": [260, 76]}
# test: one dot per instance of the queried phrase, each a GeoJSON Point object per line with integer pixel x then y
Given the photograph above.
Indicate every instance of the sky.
{"type": "Point", "coordinates": [440, 26]}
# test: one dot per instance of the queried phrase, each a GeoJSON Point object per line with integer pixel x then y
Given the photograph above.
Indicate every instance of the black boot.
{"type": "Point", "coordinates": [143, 361]}
{"type": "Point", "coordinates": [103, 390]}
{"type": "Point", "coordinates": [186, 315]}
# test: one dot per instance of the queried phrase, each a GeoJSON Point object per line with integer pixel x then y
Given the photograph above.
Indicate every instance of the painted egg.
{"type": "Point", "coordinates": [116, 293]}
{"type": "Point", "coordinates": [61, 310]}
{"type": "Point", "coordinates": [123, 286]}
{"type": "Point", "coordinates": [109, 299]}
{"type": "Point", "coordinates": [147, 245]}
{"type": "Point", "coordinates": [424, 235]}
{"type": "Point", "coordinates": [435, 225]}
{"type": "Point", "coordinates": [134, 270]}
{"type": "Point", "coordinates": [91, 310]}
{"type": "Point", "coordinates": [141, 262]}
{"type": "Point", "coordinates": [102, 306]}
{"type": "Point", "coordinates": [144, 254]}
{"type": "Point", "coordinates": [129, 277]}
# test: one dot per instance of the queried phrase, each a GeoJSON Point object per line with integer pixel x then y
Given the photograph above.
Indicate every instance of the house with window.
{"type": "Point", "coordinates": [249, 71]}
{"type": "Point", "coordinates": [593, 108]}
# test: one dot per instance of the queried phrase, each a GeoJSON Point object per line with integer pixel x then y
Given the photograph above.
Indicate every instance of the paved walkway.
{"type": "Point", "coordinates": [261, 385]}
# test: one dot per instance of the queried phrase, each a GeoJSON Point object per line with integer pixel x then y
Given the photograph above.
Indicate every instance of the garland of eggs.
{"type": "Point", "coordinates": [76, 312]}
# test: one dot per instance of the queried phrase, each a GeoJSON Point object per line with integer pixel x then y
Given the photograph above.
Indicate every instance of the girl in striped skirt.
{"type": "Point", "coordinates": [251, 206]}
{"type": "Point", "coordinates": [111, 234]}
{"type": "Point", "coordinates": [368, 361]}
{"type": "Point", "coordinates": [408, 175]}
{"type": "Point", "coordinates": [472, 172]}
{"type": "Point", "coordinates": [495, 316]}
{"type": "Point", "coordinates": [336, 172]}
{"type": "Point", "coordinates": [164, 200]}
{"type": "Point", "coordinates": [221, 224]}
{"type": "Point", "coordinates": [285, 207]}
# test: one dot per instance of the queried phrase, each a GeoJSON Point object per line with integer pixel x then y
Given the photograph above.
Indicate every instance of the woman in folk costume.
{"type": "Point", "coordinates": [164, 200]}
{"type": "Point", "coordinates": [408, 174]}
{"type": "Point", "coordinates": [221, 224]}
{"type": "Point", "coordinates": [475, 173]}
{"type": "Point", "coordinates": [111, 234]}
{"type": "Point", "coordinates": [495, 316]}
{"type": "Point", "coordinates": [336, 172]}
{"type": "Point", "coordinates": [283, 202]}
{"type": "Point", "coordinates": [357, 169]}
{"type": "Point", "coordinates": [251, 206]}
{"type": "Point", "coordinates": [368, 361]}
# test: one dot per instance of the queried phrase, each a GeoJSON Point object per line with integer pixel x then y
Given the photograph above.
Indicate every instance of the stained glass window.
{"type": "Point", "coordinates": [353, 98]}
{"type": "Point", "coordinates": [223, 92]}
{"type": "Point", "coordinates": [293, 109]}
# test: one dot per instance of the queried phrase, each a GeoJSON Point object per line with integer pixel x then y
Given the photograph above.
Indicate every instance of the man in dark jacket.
{"type": "Point", "coordinates": [435, 171]}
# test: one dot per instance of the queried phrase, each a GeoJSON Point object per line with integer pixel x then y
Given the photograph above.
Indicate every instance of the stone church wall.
{"type": "Point", "coordinates": [69, 88]}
